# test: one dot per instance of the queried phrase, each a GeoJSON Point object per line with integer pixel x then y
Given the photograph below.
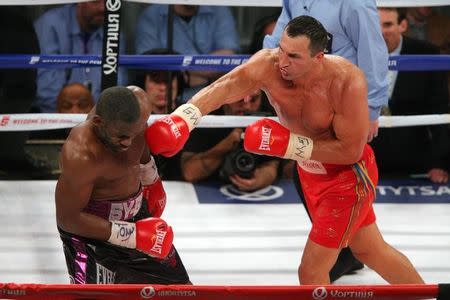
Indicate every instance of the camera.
{"type": "Point", "coordinates": [239, 162]}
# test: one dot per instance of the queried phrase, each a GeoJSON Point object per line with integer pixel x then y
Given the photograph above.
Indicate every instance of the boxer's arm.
{"type": "Point", "coordinates": [235, 85]}
{"type": "Point", "coordinates": [168, 135]}
{"type": "Point", "coordinates": [152, 188]}
{"type": "Point", "coordinates": [350, 124]}
{"type": "Point", "coordinates": [73, 191]}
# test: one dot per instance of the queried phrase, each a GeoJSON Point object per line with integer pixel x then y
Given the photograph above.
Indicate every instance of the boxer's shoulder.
{"type": "Point", "coordinates": [265, 57]}
{"type": "Point", "coordinates": [262, 65]}
{"type": "Point", "coordinates": [80, 147]}
{"type": "Point", "coordinates": [341, 69]}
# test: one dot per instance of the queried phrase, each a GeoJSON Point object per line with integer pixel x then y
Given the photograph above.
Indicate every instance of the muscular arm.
{"type": "Point", "coordinates": [350, 125]}
{"type": "Point", "coordinates": [72, 195]}
{"type": "Point", "coordinates": [234, 85]}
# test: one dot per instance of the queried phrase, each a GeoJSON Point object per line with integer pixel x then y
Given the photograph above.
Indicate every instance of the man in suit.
{"type": "Point", "coordinates": [412, 149]}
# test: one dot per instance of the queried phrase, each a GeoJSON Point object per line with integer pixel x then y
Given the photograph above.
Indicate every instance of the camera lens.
{"type": "Point", "coordinates": [238, 162]}
{"type": "Point", "coordinates": [245, 162]}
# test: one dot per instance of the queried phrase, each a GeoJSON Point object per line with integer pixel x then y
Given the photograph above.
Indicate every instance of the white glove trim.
{"type": "Point", "coordinates": [299, 147]}
{"type": "Point", "coordinates": [123, 234]}
{"type": "Point", "coordinates": [190, 114]}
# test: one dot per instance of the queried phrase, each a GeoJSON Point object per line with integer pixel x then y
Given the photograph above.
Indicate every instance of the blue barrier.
{"type": "Point", "coordinates": [194, 62]}
{"type": "Point", "coordinates": [283, 192]}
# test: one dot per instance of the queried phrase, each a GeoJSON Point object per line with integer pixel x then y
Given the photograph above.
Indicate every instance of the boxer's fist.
{"type": "Point", "coordinates": [168, 135]}
{"type": "Point", "coordinates": [268, 137]}
{"type": "Point", "coordinates": [154, 237]}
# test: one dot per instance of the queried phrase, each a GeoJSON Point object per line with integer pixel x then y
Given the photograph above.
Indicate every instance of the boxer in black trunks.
{"type": "Point", "coordinates": [109, 198]}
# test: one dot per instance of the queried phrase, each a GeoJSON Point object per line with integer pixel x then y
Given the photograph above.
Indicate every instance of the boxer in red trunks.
{"type": "Point", "coordinates": [321, 102]}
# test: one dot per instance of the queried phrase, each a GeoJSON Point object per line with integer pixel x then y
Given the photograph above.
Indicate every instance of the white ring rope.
{"type": "Point", "coordinates": [29, 122]}
{"type": "Point", "coordinates": [260, 3]}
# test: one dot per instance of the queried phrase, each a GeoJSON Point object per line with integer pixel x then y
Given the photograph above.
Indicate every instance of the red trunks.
{"type": "Point", "coordinates": [339, 198]}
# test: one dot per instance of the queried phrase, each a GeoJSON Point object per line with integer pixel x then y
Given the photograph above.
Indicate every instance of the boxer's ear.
{"type": "Point", "coordinates": [97, 120]}
{"type": "Point", "coordinates": [319, 56]}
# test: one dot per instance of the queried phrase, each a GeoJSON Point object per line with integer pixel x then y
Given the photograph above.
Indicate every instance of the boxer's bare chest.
{"type": "Point", "coordinates": [303, 109]}
{"type": "Point", "coordinates": [119, 176]}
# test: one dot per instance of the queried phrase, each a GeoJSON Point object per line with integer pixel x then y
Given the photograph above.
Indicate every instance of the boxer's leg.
{"type": "Point", "coordinates": [346, 262]}
{"type": "Point", "coordinates": [369, 246]}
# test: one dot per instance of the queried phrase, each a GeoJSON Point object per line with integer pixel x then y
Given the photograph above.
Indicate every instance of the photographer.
{"type": "Point", "coordinates": [218, 154]}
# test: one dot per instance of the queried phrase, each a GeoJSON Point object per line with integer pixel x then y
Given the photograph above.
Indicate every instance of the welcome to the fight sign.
{"type": "Point", "coordinates": [111, 38]}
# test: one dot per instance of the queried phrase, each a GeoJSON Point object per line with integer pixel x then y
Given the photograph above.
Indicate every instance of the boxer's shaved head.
{"type": "Point", "coordinates": [118, 104]}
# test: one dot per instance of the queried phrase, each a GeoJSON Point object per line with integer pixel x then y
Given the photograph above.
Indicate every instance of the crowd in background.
{"type": "Point", "coordinates": [78, 29]}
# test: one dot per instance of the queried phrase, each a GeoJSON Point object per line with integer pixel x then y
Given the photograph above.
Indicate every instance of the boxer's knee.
{"type": "Point", "coordinates": [367, 243]}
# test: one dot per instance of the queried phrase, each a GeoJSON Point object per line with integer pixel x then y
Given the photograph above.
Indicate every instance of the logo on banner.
{"type": "Point", "coordinates": [34, 60]}
{"type": "Point", "coordinates": [187, 60]}
{"type": "Point", "coordinates": [319, 293]}
{"type": "Point", "coordinates": [113, 5]}
{"type": "Point", "coordinates": [265, 194]}
{"type": "Point", "coordinates": [12, 292]}
{"type": "Point", "coordinates": [148, 292]}
{"type": "Point", "coordinates": [5, 120]}
{"type": "Point", "coordinates": [112, 36]}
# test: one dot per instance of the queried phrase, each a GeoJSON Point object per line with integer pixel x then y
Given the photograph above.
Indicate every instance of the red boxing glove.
{"type": "Point", "coordinates": [268, 137]}
{"type": "Point", "coordinates": [153, 190]}
{"type": "Point", "coordinates": [152, 236]}
{"type": "Point", "coordinates": [168, 135]}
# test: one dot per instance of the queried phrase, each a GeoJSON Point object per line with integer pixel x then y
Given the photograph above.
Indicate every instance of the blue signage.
{"type": "Point", "coordinates": [283, 191]}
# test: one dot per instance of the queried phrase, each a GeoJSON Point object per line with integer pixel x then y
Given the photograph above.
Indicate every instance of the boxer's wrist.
{"type": "Point", "coordinates": [123, 234]}
{"type": "Point", "coordinates": [190, 114]}
{"type": "Point", "coordinates": [299, 147]}
{"type": "Point", "coordinates": [149, 172]}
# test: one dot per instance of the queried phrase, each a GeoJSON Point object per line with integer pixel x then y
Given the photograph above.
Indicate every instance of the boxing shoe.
{"type": "Point", "coordinates": [346, 264]}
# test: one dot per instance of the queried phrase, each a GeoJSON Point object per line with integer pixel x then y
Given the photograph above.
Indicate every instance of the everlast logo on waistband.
{"type": "Point", "coordinates": [173, 127]}
{"type": "Point", "coordinates": [112, 36]}
{"type": "Point", "coordinates": [160, 235]}
{"type": "Point", "coordinates": [265, 138]}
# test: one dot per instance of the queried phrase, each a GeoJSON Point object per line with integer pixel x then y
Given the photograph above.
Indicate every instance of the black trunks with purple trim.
{"type": "Point", "coordinates": [98, 262]}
